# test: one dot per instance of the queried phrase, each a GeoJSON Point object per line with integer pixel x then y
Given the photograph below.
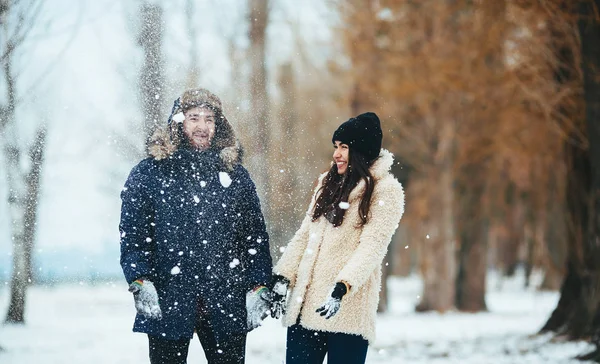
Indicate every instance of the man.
{"type": "Point", "coordinates": [194, 247]}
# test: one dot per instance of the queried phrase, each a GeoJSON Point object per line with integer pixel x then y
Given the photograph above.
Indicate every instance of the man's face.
{"type": "Point", "coordinates": [199, 127]}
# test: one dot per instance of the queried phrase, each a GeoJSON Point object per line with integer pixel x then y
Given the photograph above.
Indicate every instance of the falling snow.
{"type": "Point", "coordinates": [234, 263]}
{"type": "Point", "coordinates": [179, 117]}
{"type": "Point", "coordinates": [225, 179]}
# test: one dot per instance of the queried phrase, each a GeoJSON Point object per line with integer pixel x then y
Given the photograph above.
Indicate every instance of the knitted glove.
{"type": "Point", "coordinates": [279, 288]}
{"type": "Point", "coordinates": [332, 304]}
{"type": "Point", "coordinates": [146, 299]}
{"type": "Point", "coordinates": [258, 302]}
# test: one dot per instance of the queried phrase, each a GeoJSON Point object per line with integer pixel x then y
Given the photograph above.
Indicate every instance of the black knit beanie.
{"type": "Point", "coordinates": [362, 134]}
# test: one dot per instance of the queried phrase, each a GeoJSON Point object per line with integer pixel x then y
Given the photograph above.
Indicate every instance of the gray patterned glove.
{"type": "Point", "coordinates": [258, 303]}
{"type": "Point", "coordinates": [332, 304]}
{"type": "Point", "coordinates": [146, 299]}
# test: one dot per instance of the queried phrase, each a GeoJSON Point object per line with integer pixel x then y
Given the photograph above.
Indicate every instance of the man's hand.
{"type": "Point", "coordinates": [258, 302]}
{"type": "Point", "coordinates": [146, 299]}
{"type": "Point", "coordinates": [332, 304]}
{"type": "Point", "coordinates": [279, 288]}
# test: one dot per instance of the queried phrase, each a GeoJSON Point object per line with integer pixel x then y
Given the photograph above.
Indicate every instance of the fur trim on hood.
{"type": "Point", "coordinates": [165, 141]}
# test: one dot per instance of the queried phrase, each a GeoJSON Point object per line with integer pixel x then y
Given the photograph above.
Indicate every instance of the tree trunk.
{"type": "Point", "coordinates": [386, 269]}
{"type": "Point", "coordinates": [589, 29]}
{"type": "Point", "coordinates": [259, 98]}
{"type": "Point", "coordinates": [530, 239]}
{"type": "Point", "coordinates": [16, 202]}
{"type": "Point", "coordinates": [23, 186]}
{"type": "Point", "coordinates": [151, 81]}
{"type": "Point", "coordinates": [472, 232]}
{"type": "Point", "coordinates": [16, 207]}
{"type": "Point", "coordinates": [23, 202]}
{"type": "Point", "coordinates": [365, 59]}
{"type": "Point", "coordinates": [515, 225]}
{"type": "Point", "coordinates": [472, 222]}
{"type": "Point", "coordinates": [555, 250]}
{"type": "Point", "coordinates": [576, 314]}
{"type": "Point", "coordinates": [190, 22]}
{"type": "Point", "coordinates": [285, 215]}
{"type": "Point", "coordinates": [438, 256]}
{"type": "Point", "coordinates": [516, 236]}
{"type": "Point", "coordinates": [402, 252]}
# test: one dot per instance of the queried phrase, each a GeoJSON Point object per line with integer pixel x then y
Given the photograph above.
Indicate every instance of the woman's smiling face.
{"type": "Point", "coordinates": [340, 156]}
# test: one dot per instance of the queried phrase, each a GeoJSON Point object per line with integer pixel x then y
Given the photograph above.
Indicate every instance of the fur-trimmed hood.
{"type": "Point", "coordinates": [166, 140]}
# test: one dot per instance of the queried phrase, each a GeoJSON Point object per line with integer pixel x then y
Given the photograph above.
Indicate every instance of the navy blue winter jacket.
{"type": "Point", "coordinates": [196, 230]}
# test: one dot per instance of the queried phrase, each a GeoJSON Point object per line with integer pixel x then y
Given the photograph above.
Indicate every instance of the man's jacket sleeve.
{"type": "Point", "coordinates": [136, 226]}
{"type": "Point", "coordinates": [252, 234]}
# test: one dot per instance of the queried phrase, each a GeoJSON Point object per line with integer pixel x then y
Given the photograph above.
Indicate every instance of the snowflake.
{"type": "Point", "coordinates": [225, 179]}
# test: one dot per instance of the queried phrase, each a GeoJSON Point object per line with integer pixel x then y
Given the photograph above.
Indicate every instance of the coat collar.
{"type": "Point", "coordinates": [380, 169]}
{"type": "Point", "coordinates": [163, 147]}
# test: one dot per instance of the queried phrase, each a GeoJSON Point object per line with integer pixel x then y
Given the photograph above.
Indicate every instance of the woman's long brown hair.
{"type": "Point", "coordinates": [336, 188]}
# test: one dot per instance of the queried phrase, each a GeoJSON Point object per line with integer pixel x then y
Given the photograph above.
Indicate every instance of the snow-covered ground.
{"type": "Point", "coordinates": [79, 323]}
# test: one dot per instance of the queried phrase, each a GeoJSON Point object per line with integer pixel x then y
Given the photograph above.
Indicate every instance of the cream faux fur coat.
{"type": "Point", "coordinates": [319, 255]}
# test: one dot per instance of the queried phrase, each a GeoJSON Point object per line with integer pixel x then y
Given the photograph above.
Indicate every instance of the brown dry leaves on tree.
{"type": "Point", "coordinates": [470, 102]}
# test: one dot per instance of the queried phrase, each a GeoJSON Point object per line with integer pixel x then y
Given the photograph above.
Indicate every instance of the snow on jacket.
{"type": "Point", "coordinates": [319, 255]}
{"type": "Point", "coordinates": [191, 223]}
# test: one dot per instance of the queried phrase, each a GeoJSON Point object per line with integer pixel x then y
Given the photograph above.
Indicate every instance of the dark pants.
{"type": "Point", "coordinates": [230, 351]}
{"type": "Point", "coordinates": [309, 347]}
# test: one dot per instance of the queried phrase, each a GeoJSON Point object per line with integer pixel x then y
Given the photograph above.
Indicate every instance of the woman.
{"type": "Point", "coordinates": [332, 266]}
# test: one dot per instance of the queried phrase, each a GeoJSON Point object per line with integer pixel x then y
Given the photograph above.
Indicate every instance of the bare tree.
{"type": "Point", "coordinates": [284, 180]}
{"type": "Point", "coordinates": [577, 314]}
{"type": "Point", "coordinates": [190, 23]}
{"type": "Point", "coordinates": [571, 317]}
{"type": "Point", "coordinates": [489, 33]}
{"type": "Point", "coordinates": [258, 18]}
{"type": "Point", "coordinates": [17, 18]}
{"type": "Point", "coordinates": [151, 81]}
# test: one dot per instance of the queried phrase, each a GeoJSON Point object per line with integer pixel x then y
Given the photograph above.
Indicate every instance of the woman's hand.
{"type": "Point", "coordinates": [332, 305]}
{"type": "Point", "coordinates": [279, 289]}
